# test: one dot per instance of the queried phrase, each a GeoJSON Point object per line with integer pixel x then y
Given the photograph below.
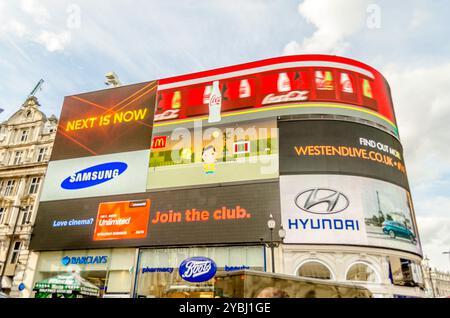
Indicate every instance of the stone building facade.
{"type": "Point", "coordinates": [26, 141]}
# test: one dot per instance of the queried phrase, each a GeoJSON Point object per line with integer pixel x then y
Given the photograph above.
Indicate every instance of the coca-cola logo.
{"type": "Point", "coordinates": [294, 96]}
{"type": "Point", "coordinates": [168, 114]}
{"type": "Point", "coordinates": [197, 269]}
{"type": "Point", "coordinates": [215, 100]}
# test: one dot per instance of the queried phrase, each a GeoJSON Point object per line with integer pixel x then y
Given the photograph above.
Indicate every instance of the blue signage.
{"type": "Point", "coordinates": [235, 268]}
{"type": "Point", "coordinates": [94, 175]}
{"type": "Point", "coordinates": [157, 270]}
{"type": "Point", "coordinates": [84, 260]}
{"type": "Point", "coordinates": [197, 269]}
{"type": "Point", "coordinates": [21, 286]}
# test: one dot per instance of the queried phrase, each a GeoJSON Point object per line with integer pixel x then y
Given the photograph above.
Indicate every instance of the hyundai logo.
{"type": "Point", "coordinates": [322, 201]}
{"type": "Point", "coordinates": [94, 175]}
{"type": "Point", "coordinates": [197, 269]}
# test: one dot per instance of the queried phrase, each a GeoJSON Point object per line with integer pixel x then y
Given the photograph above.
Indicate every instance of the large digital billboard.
{"type": "Point", "coordinates": [347, 210]}
{"type": "Point", "coordinates": [214, 155]}
{"type": "Point", "coordinates": [105, 122]}
{"type": "Point", "coordinates": [232, 214]}
{"type": "Point", "coordinates": [285, 85]}
{"type": "Point", "coordinates": [96, 176]}
{"type": "Point", "coordinates": [340, 147]}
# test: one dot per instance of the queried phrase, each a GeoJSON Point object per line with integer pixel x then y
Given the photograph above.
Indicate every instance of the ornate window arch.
{"type": "Point", "coordinates": [362, 272]}
{"type": "Point", "coordinates": [315, 268]}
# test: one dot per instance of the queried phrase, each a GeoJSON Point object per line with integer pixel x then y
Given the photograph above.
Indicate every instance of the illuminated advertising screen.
{"type": "Point", "coordinates": [293, 84]}
{"type": "Point", "coordinates": [338, 209]}
{"type": "Point", "coordinates": [208, 155]}
{"type": "Point", "coordinates": [232, 214]}
{"type": "Point", "coordinates": [339, 147]}
{"type": "Point", "coordinates": [106, 122]}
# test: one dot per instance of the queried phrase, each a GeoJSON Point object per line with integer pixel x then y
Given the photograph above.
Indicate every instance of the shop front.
{"type": "Point", "coordinates": [189, 272]}
{"type": "Point", "coordinates": [109, 270]}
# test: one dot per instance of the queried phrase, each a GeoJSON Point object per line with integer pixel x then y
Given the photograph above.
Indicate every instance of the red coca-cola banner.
{"type": "Point", "coordinates": [275, 82]}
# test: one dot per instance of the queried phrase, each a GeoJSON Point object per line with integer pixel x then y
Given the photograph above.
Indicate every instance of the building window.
{"type": "Point", "coordinates": [315, 269]}
{"type": "Point", "coordinates": [18, 157]}
{"type": "Point", "coordinates": [9, 189]}
{"type": "Point", "coordinates": [24, 135]}
{"type": "Point", "coordinates": [34, 186]}
{"type": "Point", "coordinates": [26, 215]}
{"type": "Point", "coordinates": [15, 252]}
{"type": "Point", "coordinates": [41, 154]}
{"type": "Point", "coordinates": [2, 214]}
{"type": "Point", "coordinates": [361, 272]}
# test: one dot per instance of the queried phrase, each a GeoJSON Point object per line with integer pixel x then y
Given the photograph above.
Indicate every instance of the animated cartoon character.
{"type": "Point", "coordinates": [209, 158]}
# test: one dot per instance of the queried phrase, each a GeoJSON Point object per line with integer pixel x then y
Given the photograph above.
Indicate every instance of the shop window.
{"type": "Point", "coordinates": [404, 272]}
{"type": "Point", "coordinates": [315, 269]}
{"type": "Point", "coordinates": [159, 269]}
{"type": "Point", "coordinates": [361, 272]}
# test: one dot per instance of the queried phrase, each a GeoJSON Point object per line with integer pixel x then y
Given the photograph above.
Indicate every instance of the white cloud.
{"type": "Point", "coordinates": [419, 18]}
{"type": "Point", "coordinates": [29, 20]}
{"type": "Point", "coordinates": [435, 236]}
{"type": "Point", "coordinates": [54, 41]}
{"type": "Point", "coordinates": [36, 10]}
{"type": "Point", "coordinates": [422, 102]}
{"type": "Point", "coordinates": [335, 20]}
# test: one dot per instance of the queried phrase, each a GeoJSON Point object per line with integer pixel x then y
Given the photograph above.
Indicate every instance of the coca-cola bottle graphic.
{"type": "Point", "coordinates": [207, 94]}
{"type": "Point", "coordinates": [176, 100]}
{"type": "Point", "coordinates": [367, 89]}
{"type": "Point", "coordinates": [346, 84]}
{"type": "Point", "coordinates": [244, 89]}
{"type": "Point", "coordinates": [320, 80]}
{"type": "Point", "coordinates": [215, 103]}
{"type": "Point", "coordinates": [283, 83]}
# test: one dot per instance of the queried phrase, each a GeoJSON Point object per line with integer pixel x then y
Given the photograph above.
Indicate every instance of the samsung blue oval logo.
{"type": "Point", "coordinates": [197, 269]}
{"type": "Point", "coordinates": [94, 175]}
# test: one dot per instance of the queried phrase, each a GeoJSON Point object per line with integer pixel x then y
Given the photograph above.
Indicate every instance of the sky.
{"type": "Point", "coordinates": [72, 44]}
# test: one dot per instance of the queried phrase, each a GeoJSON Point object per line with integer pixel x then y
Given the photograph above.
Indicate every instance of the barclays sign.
{"type": "Point", "coordinates": [197, 269]}
{"type": "Point", "coordinates": [84, 260]}
{"type": "Point", "coordinates": [94, 175]}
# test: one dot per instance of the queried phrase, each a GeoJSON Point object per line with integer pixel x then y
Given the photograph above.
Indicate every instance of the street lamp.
{"type": "Point", "coordinates": [11, 241]}
{"type": "Point", "coordinates": [271, 224]}
{"type": "Point", "coordinates": [447, 253]}
{"type": "Point", "coordinates": [426, 259]}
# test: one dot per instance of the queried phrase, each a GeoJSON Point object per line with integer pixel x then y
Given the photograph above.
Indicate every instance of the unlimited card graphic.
{"type": "Point", "coordinates": [122, 220]}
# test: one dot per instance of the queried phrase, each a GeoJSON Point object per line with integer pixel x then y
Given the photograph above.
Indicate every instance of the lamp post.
{"type": "Point", "coordinates": [271, 224]}
{"type": "Point", "coordinates": [448, 252]}
{"type": "Point", "coordinates": [429, 275]}
{"type": "Point", "coordinates": [11, 241]}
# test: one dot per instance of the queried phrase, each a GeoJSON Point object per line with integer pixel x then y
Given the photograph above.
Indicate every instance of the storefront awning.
{"type": "Point", "coordinates": [67, 284]}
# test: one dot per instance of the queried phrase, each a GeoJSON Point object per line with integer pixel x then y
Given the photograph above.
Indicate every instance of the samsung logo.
{"type": "Point", "coordinates": [94, 175]}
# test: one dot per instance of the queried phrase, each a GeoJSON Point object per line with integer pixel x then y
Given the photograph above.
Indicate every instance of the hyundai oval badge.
{"type": "Point", "coordinates": [197, 269]}
{"type": "Point", "coordinates": [322, 201]}
{"type": "Point", "coordinates": [94, 175]}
